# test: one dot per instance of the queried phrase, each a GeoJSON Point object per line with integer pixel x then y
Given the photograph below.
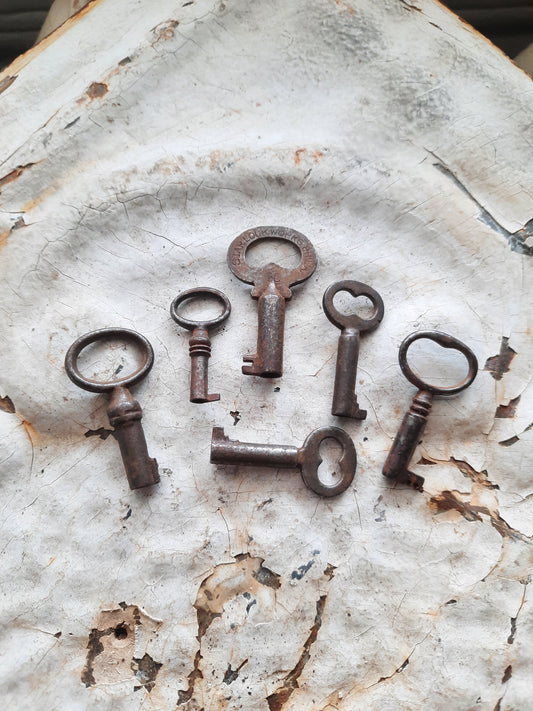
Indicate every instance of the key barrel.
{"type": "Point", "coordinates": [344, 398]}
{"type": "Point", "coordinates": [268, 360]}
{"type": "Point", "coordinates": [125, 416]}
{"type": "Point", "coordinates": [406, 441]}
{"type": "Point", "coordinates": [228, 451]}
{"type": "Point", "coordinates": [200, 352]}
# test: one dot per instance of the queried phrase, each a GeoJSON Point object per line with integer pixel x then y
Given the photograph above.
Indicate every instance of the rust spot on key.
{"type": "Point", "coordinates": [405, 442]}
{"type": "Point", "coordinates": [123, 410]}
{"type": "Point", "coordinates": [272, 287]}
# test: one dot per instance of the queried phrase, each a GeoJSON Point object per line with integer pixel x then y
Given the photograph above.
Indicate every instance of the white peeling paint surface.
{"type": "Point", "coordinates": [137, 142]}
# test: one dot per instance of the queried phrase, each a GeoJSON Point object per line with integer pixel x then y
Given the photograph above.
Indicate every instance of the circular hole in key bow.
{"type": "Point", "coordinates": [330, 452]}
{"type": "Point", "coordinates": [204, 307]}
{"type": "Point", "coordinates": [349, 305]}
{"type": "Point", "coordinates": [110, 359]}
{"type": "Point", "coordinates": [279, 251]}
{"type": "Point", "coordinates": [437, 366]}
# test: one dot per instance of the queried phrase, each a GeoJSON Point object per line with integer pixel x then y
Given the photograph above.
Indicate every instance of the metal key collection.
{"type": "Point", "coordinates": [272, 288]}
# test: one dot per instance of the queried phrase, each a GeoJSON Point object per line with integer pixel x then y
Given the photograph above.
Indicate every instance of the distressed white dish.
{"type": "Point", "coordinates": [137, 142]}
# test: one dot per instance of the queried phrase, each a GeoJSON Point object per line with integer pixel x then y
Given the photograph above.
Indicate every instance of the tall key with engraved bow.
{"type": "Point", "coordinates": [272, 287]}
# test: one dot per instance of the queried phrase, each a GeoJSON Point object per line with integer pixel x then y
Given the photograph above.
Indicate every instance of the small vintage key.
{"type": "Point", "coordinates": [344, 398]}
{"type": "Point", "coordinates": [414, 420]}
{"type": "Point", "coordinates": [306, 458]}
{"type": "Point", "coordinates": [123, 410]}
{"type": "Point", "coordinates": [199, 342]}
{"type": "Point", "coordinates": [272, 287]}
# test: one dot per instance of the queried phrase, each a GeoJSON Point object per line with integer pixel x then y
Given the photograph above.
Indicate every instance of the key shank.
{"type": "Point", "coordinates": [227, 451]}
{"type": "Point", "coordinates": [200, 352]}
{"type": "Point", "coordinates": [344, 398]}
{"type": "Point", "coordinates": [125, 416]}
{"type": "Point", "coordinates": [406, 441]}
{"type": "Point", "coordinates": [267, 361]}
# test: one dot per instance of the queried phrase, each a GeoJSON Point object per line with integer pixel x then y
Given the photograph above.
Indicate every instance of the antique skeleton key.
{"type": "Point", "coordinates": [344, 398]}
{"type": "Point", "coordinates": [123, 410]}
{"type": "Point", "coordinates": [306, 458]}
{"type": "Point", "coordinates": [414, 421]}
{"type": "Point", "coordinates": [199, 342]}
{"type": "Point", "coordinates": [272, 287]}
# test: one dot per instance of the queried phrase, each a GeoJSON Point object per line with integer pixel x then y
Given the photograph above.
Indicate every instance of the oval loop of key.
{"type": "Point", "coordinates": [446, 341]}
{"type": "Point", "coordinates": [310, 459]}
{"type": "Point", "coordinates": [356, 289]}
{"type": "Point", "coordinates": [251, 275]}
{"type": "Point", "coordinates": [107, 334]}
{"type": "Point", "coordinates": [199, 292]}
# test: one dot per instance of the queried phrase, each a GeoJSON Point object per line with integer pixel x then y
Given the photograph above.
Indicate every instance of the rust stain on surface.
{"type": "Point", "coordinates": [111, 649]}
{"type": "Point", "coordinates": [16, 226]}
{"type": "Point", "coordinates": [146, 670]}
{"type": "Point", "coordinates": [448, 501]}
{"type": "Point", "coordinates": [278, 698]}
{"type": "Point", "coordinates": [31, 204]}
{"type": "Point", "coordinates": [14, 174]}
{"type": "Point", "coordinates": [509, 442]}
{"type": "Point", "coordinates": [33, 435]}
{"type": "Point", "coordinates": [97, 90]}
{"type": "Point", "coordinates": [507, 411]}
{"type": "Point", "coordinates": [6, 404]}
{"type": "Point", "coordinates": [499, 364]}
{"type": "Point", "coordinates": [468, 471]}
{"type": "Point", "coordinates": [344, 6]}
{"type": "Point", "coordinates": [6, 82]}
{"type": "Point", "coordinates": [165, 30]}
{"type": "Point", "coordinates": [298, 155]}
{"type": "Point", "coordinates": [245, 575]}
{"type": "Point", "coordinates": [456, 501]}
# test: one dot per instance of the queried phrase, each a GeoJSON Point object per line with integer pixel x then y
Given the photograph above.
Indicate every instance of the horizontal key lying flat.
{"type": "Point", "coordinates": [306, 458]}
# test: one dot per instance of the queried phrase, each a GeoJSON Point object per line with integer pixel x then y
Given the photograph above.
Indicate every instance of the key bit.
{"type": "Point", "coordinates": [124, 412]}
{"type": "Point", "coordinates": [344, 398]}
{"type": "Point", "coordinates": [272, 288]}
{"type": "Point", "coordinates": [414, 421]}
{"type": "Point", "coordinates": [306, 458]}
{"type": "Point", "coordinates": [199, 342]}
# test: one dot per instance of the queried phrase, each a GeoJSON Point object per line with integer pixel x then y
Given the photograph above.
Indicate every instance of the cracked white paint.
{"type": "Point", "coordinates": [137, 142]}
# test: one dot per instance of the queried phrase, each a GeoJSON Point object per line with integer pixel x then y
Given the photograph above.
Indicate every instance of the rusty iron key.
{"type": "Point", "coordinates": [272, 287]}
{"type": "Point", "coordinates": [414, 421]}
{"type": "Point", "coordinates": [123, 410]}
{"type": "Point", "coordinates": [199, 342]}
{"type": "Point", "coordinates": [351, 325]}
{"type": "Point", "coordinates": [306, 458]}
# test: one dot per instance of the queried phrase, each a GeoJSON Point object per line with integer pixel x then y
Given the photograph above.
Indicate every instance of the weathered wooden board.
{"type": "Point", "coordinates": [137, 141]}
